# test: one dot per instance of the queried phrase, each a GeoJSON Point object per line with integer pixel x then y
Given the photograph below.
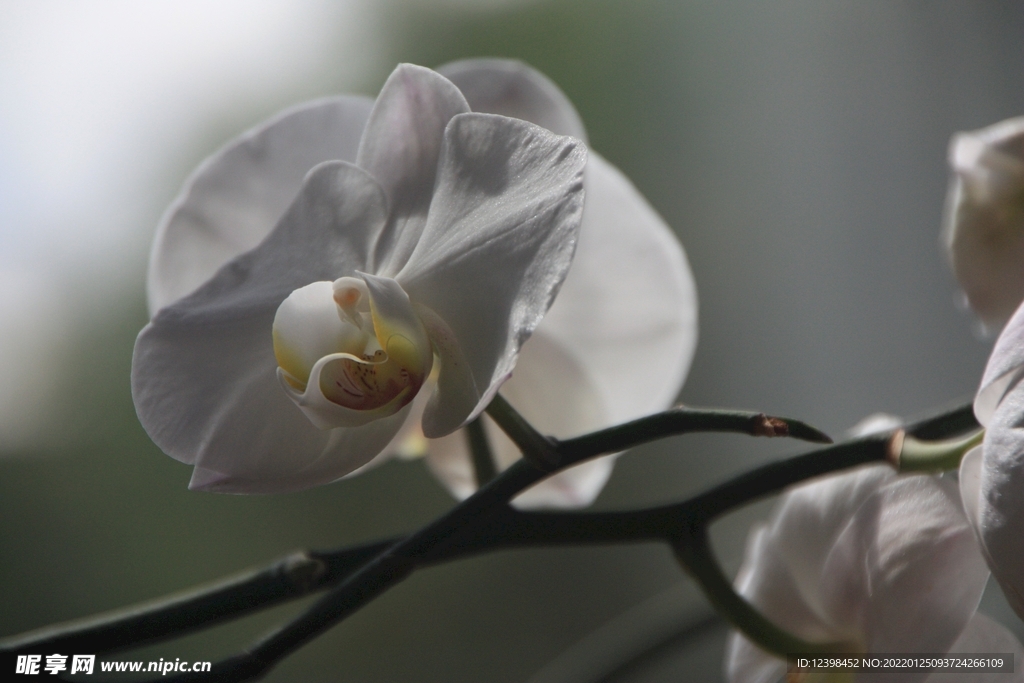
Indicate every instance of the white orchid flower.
{"type": "Point", "coordinates": [297, 361]}
{"type": "Point", "coordinates": [984, 220]}
{"type": "Point", "coordinates": [868, 557]}
{"type": "Point", "coordinates": [435, 239]}
{"type": "Point", "coordinates": [991, 475]}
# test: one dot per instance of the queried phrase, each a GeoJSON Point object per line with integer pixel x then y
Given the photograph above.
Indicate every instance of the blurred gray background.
{"type": "Point", "coordinates": [797, 148]}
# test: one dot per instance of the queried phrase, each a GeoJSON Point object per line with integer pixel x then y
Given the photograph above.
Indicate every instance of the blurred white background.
{"type": "Point", "coordinates": [98, 102]}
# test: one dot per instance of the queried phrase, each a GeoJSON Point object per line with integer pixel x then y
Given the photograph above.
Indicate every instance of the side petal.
{"type": "Point", "coordinates": [237, 195]}
{"type": "Point", "coordinates": [629, 279]}
{"type": "Point", "coordinates": [1001, 504]}
{"type": "Point", "coordinates": [455, 394]}
{"type": "Point", "coordinates": [812, 516]}
{"type": "Point", "coordinates": [400, 147]}
{"type": "Point", "coordinates": [970, 487]}
{"type": "Point", "coordinates": [628, 308]}
{"type": "Point", "coordinates": [204, 373]}
{"type": "Point", "coordinates": [906, 573]}
{"type": "Point", "coordinates": [1003, 370]}
{"type": "Point", "coordinates": [514, 89]}
{"type": "Point", "coordinates": [499, 238]}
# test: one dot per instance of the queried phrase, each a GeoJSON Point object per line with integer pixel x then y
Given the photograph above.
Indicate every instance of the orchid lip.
{"type": "Point", "coordinates": [374, 354]}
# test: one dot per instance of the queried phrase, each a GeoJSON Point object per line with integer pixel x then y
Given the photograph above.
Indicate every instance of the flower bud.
{"type": "Point", "coordinates": [984, 220]}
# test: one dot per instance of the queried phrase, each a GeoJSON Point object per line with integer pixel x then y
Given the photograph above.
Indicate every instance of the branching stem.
{"type": "Point", "coordinates": [482, 523]}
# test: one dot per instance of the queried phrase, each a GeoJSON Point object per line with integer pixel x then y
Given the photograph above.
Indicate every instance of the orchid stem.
{"type": "Point", "coordinates": [288, 578]}
{"type": "Point", "coordinates": [684, 419]}
{"type": "Point", "coordinates": [237, 596]}
{"type": "Point", "coordinates": [482, 523]}
{"type": "Point", "coordinates": [537, 449]}
{"type": "Point", "coordinates": [914, 455]}
{"type": "Point", "coordinates": [480, 452]}
{"type": "Point", "coordinates": [694, 553]}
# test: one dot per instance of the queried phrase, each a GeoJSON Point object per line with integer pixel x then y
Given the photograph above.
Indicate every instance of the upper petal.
{"type": "Point", "coordinates": [512, 88]}
{"type": "Point", "coordinates": [235, 197]}
{"type": "Point", "coordinates": [499, 238]}
{"type": "Point", "coordinates": [400, 147]}
{"type": "Point", "coordinates": [203, 372]}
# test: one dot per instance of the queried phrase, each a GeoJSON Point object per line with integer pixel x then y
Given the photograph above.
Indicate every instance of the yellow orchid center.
{"type": "Point", "coordinates": [348, 353]}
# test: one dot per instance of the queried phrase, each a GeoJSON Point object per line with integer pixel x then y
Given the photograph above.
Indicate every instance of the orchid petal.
{"type": "Point", "coordinates": [401, 146]}
{"type": "Point", "coordinates": [236, 196]}
{"type": "Point", "coordinates": [905, 573]}
{"type": "Point", "coordinates": [1004, 369]}
{"type": "Point", "coordinates": [628, 308]}
{"type": "Point", "coordinates": [629, 274]}
{"type": "Point", "coordinates": [866, 557]}
{"type": "Point", "coordinates": [1001, 507]}
{"type": "Point", "coordinates": [629, 287]}
{"type": "Point", "coordinates": [455, 393]}
{"type": "Point", "coordinates": [984, 635]}
{"type": "Point", "coordinates": [285, 459]}
{"type": "Point", "coordinates": [498, 241]}
{"type": "Point", "coordinates": [970, 487]}
{"type": "Point", "coordinates": [203, 373]}
{"type": "Point", "coordinates": [812, 516]}
{"type": "Point", "coordinates": [514, 89]}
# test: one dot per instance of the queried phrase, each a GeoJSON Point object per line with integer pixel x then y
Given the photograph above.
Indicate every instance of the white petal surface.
{"type": "Point", "coordinates": [234, 199]}
{"type": "Point", "coordinates": [628, 309]}
{"type": "Point", "coordinates": [1004, 368]}
{"type": "Point", "coordinates": [499, 238]}
{"type": "Point", "coordinates": [454, 394]}
{"type": "Point", "coordinates": [1001, 503]}
{"type": "Point", "coordinates": [984, 635]}
{"type": "Point", "coordinates": [514, 89]}
{"type": "Point", "coordinates": [747, 663]}
{"type": "Point", "coordinates": [970, 487]}
{"type": "Point", "coordinates": [906, 574]}
{"type": "Point", "coordinates": [888, 562]}
{"type": "Point", "coordinates": [627, 316]}
{"type": "Point", "coordinates": [400, 148]}
{"type": "Point", "coordinates": [812, 516]}
{"type": "Point", "coordinates": [630, 285]}
{"type": "Point", "coordinates": [203, 373]}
